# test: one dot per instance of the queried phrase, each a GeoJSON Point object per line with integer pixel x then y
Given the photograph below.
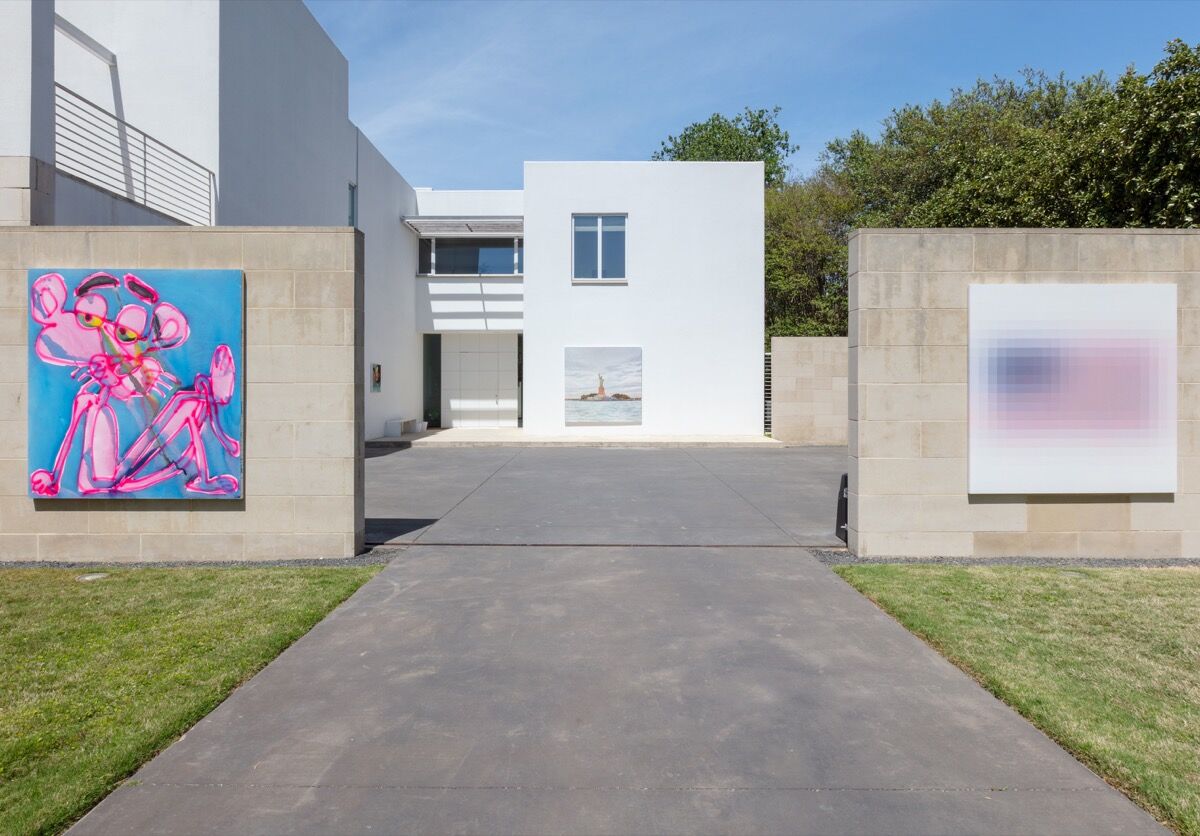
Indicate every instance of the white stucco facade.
{"type": "Point", "coordinates": [451, 202]}
{"type": "Point", "coordinates": [161, 80]}
{"type": "Point", "coordinates": [253, 91]}
{"type": "Point", "coordinates": [692, 299]}
{"type": "Point", "coordinates": [254, 94]}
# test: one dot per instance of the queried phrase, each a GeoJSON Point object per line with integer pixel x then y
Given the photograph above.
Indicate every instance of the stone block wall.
{"type": "Point", "coordinates": [908, 396]}
{"type": "Point", "coordinates": [303, 478]}
{"type": "Point", "coordinates": [26, 191]}
{"type": "Point", "coordinates": [809, 389]}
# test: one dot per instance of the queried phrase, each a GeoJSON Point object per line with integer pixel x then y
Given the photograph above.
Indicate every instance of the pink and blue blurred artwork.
{"type": "Point", "coordinates": [1072, 388]}
{"type": "Point", "coordinates": [135, 384]}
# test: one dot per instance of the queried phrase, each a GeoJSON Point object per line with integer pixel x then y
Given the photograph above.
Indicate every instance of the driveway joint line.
{"type": "Point", "coordinates": [738, 493]}
{"type": "Point", "coordinates": [471, 493]}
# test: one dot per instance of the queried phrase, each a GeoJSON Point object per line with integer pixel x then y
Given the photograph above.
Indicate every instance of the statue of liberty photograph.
{"type": "Point", "coordinates": [603, 386]}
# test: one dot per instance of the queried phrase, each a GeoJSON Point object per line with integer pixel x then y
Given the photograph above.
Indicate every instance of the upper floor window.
{"type": "Point", "coordinates": [470, 256]}
{"type": "Point", "coordinates": [599, 247]}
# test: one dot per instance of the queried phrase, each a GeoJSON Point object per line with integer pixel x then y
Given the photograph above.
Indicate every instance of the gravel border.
{"type": "Point", "coordinates": [841, 557]}
{"type": "Point", "coordinates": [372, 557]}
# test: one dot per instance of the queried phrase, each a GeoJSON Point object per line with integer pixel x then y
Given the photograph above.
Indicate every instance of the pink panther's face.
{"type": "Point", "coordinates": [107, 320]}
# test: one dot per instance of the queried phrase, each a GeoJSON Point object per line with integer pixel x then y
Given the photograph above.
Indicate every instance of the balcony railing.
{"type": "Point", "coordinates": [99, 148]}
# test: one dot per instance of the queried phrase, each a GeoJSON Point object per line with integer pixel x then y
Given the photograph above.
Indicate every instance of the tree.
{"type": "Point", "coordinates": [750, 136]}
{"type": "Point", "coordinates": [1147, 162]}
{"type": "Point", "coordinates": [1039, 152]}
{"type": "Point", "coordinates": [807, 227]}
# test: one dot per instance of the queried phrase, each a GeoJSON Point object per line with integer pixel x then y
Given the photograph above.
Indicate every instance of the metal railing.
{"type": "Point", "coordinates": [104, 150]}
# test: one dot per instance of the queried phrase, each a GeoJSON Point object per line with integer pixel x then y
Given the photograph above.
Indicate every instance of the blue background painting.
{"type": "Point", "coordinates": [213, 302]}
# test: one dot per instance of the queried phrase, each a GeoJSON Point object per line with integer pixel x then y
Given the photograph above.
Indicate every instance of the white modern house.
{"type": "Point", "coordinates": [483, 308]}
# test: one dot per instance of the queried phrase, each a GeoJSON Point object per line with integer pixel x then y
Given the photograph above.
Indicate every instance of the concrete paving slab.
{"type": "Point", "coordinates": [611, 496]}
{"type": "Point", "coordinates": [600, 690]}
{"type": "Point", "coordinates": [540, 810]}
{"type": "Point", "coordinates": [607, 497]}
{"type": "Point", "coordinates": [410, 490]}
{"type": "Point", "coordinates": [795, 487]}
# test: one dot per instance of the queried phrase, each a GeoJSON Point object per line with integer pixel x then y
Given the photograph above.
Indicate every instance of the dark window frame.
{"type": "Point", "coordinates": [517, 248]}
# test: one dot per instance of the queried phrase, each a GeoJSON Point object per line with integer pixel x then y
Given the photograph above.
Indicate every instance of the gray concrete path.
{"type": "Point", "coordinates": [605, 496]}
{"type": "Point", "coordinates": [608, 640]}
{"type": "Point", "coordinates": [612, 689]}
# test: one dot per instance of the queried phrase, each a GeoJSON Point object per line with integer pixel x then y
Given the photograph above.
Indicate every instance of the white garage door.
{"type": "Point", "coordinates": [479, 380]}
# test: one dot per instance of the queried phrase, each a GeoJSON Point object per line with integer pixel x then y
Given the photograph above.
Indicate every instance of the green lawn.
{"type": "Point", "coordinates": [96, 677]}
{"type": "Point", "coordinates": [1105, 661]}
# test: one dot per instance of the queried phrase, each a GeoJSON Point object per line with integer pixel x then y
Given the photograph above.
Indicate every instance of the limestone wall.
{"type": "Point", "coordinates": [908, 395]}
{"type": "Point", "coordinates": [808, 390]}
{"type": "Point", "coordinates": [303, 475]}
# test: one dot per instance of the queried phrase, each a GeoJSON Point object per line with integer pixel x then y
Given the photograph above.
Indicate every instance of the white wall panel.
{"type": "Point", "coordinates": [693, 300]}
{"type": "Point", "coordinates": [479, 380]}
{"type": "Point", "coordinates": [470, 304]}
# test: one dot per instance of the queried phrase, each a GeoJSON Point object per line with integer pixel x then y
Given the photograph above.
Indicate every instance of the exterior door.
{"type": "Point", "coordinates": [479, 380]}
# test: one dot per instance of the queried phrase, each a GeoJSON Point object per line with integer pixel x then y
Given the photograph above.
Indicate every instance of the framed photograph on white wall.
{"type": "Point", "coordinates": [602, 386]}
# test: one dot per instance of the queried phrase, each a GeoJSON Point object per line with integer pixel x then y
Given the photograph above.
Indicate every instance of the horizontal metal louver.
{"type": "Point", "coordinates": [466, 226]}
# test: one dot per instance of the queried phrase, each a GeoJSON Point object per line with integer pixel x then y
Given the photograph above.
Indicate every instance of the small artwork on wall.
{"type": "Point", "coordinates": [1072, 388]}
{"type": "Point", "coordinates": [603, 386]}
{"type": "Point", "coordinates": [135, 384]}
{"type": "Point", "coordinates": [376, 377]}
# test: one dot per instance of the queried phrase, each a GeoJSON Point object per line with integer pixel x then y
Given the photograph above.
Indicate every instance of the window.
{"type": "Point", "coordinates": [599, 247]}
{"type": "Point", "coordinates": [470, 256]}
{"type": "Point", "coordinates": [353, 205]}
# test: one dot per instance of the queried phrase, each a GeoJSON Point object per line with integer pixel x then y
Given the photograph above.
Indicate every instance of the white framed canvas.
{"type": "Point", "coordinates": [602, 386]}
{"type": "Point", "coordinates": [1072, 388]}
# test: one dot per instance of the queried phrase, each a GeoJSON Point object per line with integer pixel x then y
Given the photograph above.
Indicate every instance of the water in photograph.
{"type": "Point", "coordinates": [583, 413]}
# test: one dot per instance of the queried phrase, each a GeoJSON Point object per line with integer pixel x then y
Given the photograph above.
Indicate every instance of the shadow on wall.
{"type": "Point", "coordinates": [1066, 499]}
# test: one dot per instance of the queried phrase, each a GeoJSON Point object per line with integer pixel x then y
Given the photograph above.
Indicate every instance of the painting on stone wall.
{"type": "Point", "coordinates": [135, 384]}
{"type": "Point", "coordinates": [603, 386]}
{"type": "Point", "coordinates": [1072, 388]}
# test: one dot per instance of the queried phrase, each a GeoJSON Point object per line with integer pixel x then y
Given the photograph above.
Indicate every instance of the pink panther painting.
{"type": "Point", "coordinates": [134, 382]}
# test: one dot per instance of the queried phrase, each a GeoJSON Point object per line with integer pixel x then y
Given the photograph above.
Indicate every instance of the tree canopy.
{"type": "Point", "coordinates": [807, 226]}
{"type": "Point", "coordinates": [1040, 151]}
{"type": "Point", "coordinates": [750, 136]}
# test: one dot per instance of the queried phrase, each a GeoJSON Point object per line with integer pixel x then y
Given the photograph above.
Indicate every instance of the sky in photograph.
{"type": "Point", "coordinates": [621, 367]}
{"type": "Point", "coordinates": [459, 94]}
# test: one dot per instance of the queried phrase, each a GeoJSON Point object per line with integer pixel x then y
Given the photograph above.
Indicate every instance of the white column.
{"type": "Point", "coordinates": [26, 112]}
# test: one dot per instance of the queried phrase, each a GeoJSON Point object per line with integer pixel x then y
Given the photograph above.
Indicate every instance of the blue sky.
{"type": "Point", "coordinates": [459, 94]}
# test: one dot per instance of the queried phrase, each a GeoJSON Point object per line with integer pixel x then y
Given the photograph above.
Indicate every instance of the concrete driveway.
{"type": "Point", "coordinates": [602, 687]}
{"type": "Point", "coordinates": [605, 496]}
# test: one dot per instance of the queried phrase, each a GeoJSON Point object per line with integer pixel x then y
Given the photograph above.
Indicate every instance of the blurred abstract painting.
{"type": "Point", "coordinates": [1072, 388]}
